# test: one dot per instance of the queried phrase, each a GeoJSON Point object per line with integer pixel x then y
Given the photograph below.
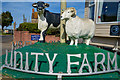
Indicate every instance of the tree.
{"type": "Point", "coordinates": [7, 19]}
{"type": "Point", "coordinates": [0, 20]}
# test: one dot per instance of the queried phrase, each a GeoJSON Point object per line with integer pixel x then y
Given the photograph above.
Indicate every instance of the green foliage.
{"type": "Point", "coordinates": [7, 19]}
{"type": "Point", "coordinates": [53, 31]}
{"type": "Point", "coordinates": [5, 33]}
{"type": "Point", "coordinates": [33, 28]}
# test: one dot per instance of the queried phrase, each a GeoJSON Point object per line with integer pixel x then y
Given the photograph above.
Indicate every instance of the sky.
{"type": "Point", "coordinates": [17, 10]}
{"type": "Point", "coordinates": [42, 0]}
{"type": "Point", "coordinates": [57, 0]}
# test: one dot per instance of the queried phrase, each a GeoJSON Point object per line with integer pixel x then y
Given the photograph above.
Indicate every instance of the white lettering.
{"type": "Point", "coordinates": [6, 58]}
{"type": "Point", "coordinates": [36, 61]}
{"type": "Point", "coordinates": [50, 62]}
{"type": "Point", "coordinates": [11, 58]}
{"type": "Point", "coordinates": [101, 62]}
{"type": "Point", "coordinates": [85, 58]}
{"type": "Point", "coordinates": [112, 61]}
{"type": "Point", "coordinates": [70, 63]}
{"type": "Point", "coordinates": [21, 64]}
{"type": "Point", "coordinates": [26, 64]}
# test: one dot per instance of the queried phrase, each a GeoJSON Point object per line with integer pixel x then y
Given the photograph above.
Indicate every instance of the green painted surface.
{"type": "Point", "coordinates": [60, 63]}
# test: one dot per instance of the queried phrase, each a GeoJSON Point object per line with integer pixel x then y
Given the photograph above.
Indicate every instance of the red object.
{"type": "Point", "coordinates": [99, 16]}
{"type": "Point", "coordinates": [33, 11]}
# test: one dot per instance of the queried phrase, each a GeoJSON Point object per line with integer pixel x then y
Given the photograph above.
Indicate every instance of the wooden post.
{"type": "Point", "coordinates": [14, 26]}
{"type": "Point", "coordinates": [62, 24]}
{"type": "Point", "coordinates": [86, 9]}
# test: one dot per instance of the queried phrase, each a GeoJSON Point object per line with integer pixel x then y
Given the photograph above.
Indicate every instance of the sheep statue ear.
{"type": "Point", "coordinates": [73, 10]}
{"type": "Point", "coordinates": [46, 5]}
{"type": "Point", "coordinates": [35, 5]}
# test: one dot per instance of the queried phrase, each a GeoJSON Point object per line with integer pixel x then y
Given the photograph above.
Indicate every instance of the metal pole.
{"type": "Point", "coordinates": [62, 24]}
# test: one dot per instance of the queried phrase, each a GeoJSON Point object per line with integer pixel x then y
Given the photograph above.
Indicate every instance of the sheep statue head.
{"type": "Point", "coordinates": [68, 13]}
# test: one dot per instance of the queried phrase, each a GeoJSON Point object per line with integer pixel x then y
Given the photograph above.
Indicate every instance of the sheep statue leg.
{"type": "Point", "coordinates": [72, 42]}
{"type": "Point", "coordinates": [87, 41]}
{"type": "Point", "coordinates": [76, 42]}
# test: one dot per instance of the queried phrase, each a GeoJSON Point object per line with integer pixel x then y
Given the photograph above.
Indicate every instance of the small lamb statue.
{"type": "Point", "coordinates": [77, 27]}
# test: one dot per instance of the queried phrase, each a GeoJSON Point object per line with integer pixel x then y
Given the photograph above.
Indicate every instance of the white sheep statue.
{"type": "Point", "coordinates": [77, 27]}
